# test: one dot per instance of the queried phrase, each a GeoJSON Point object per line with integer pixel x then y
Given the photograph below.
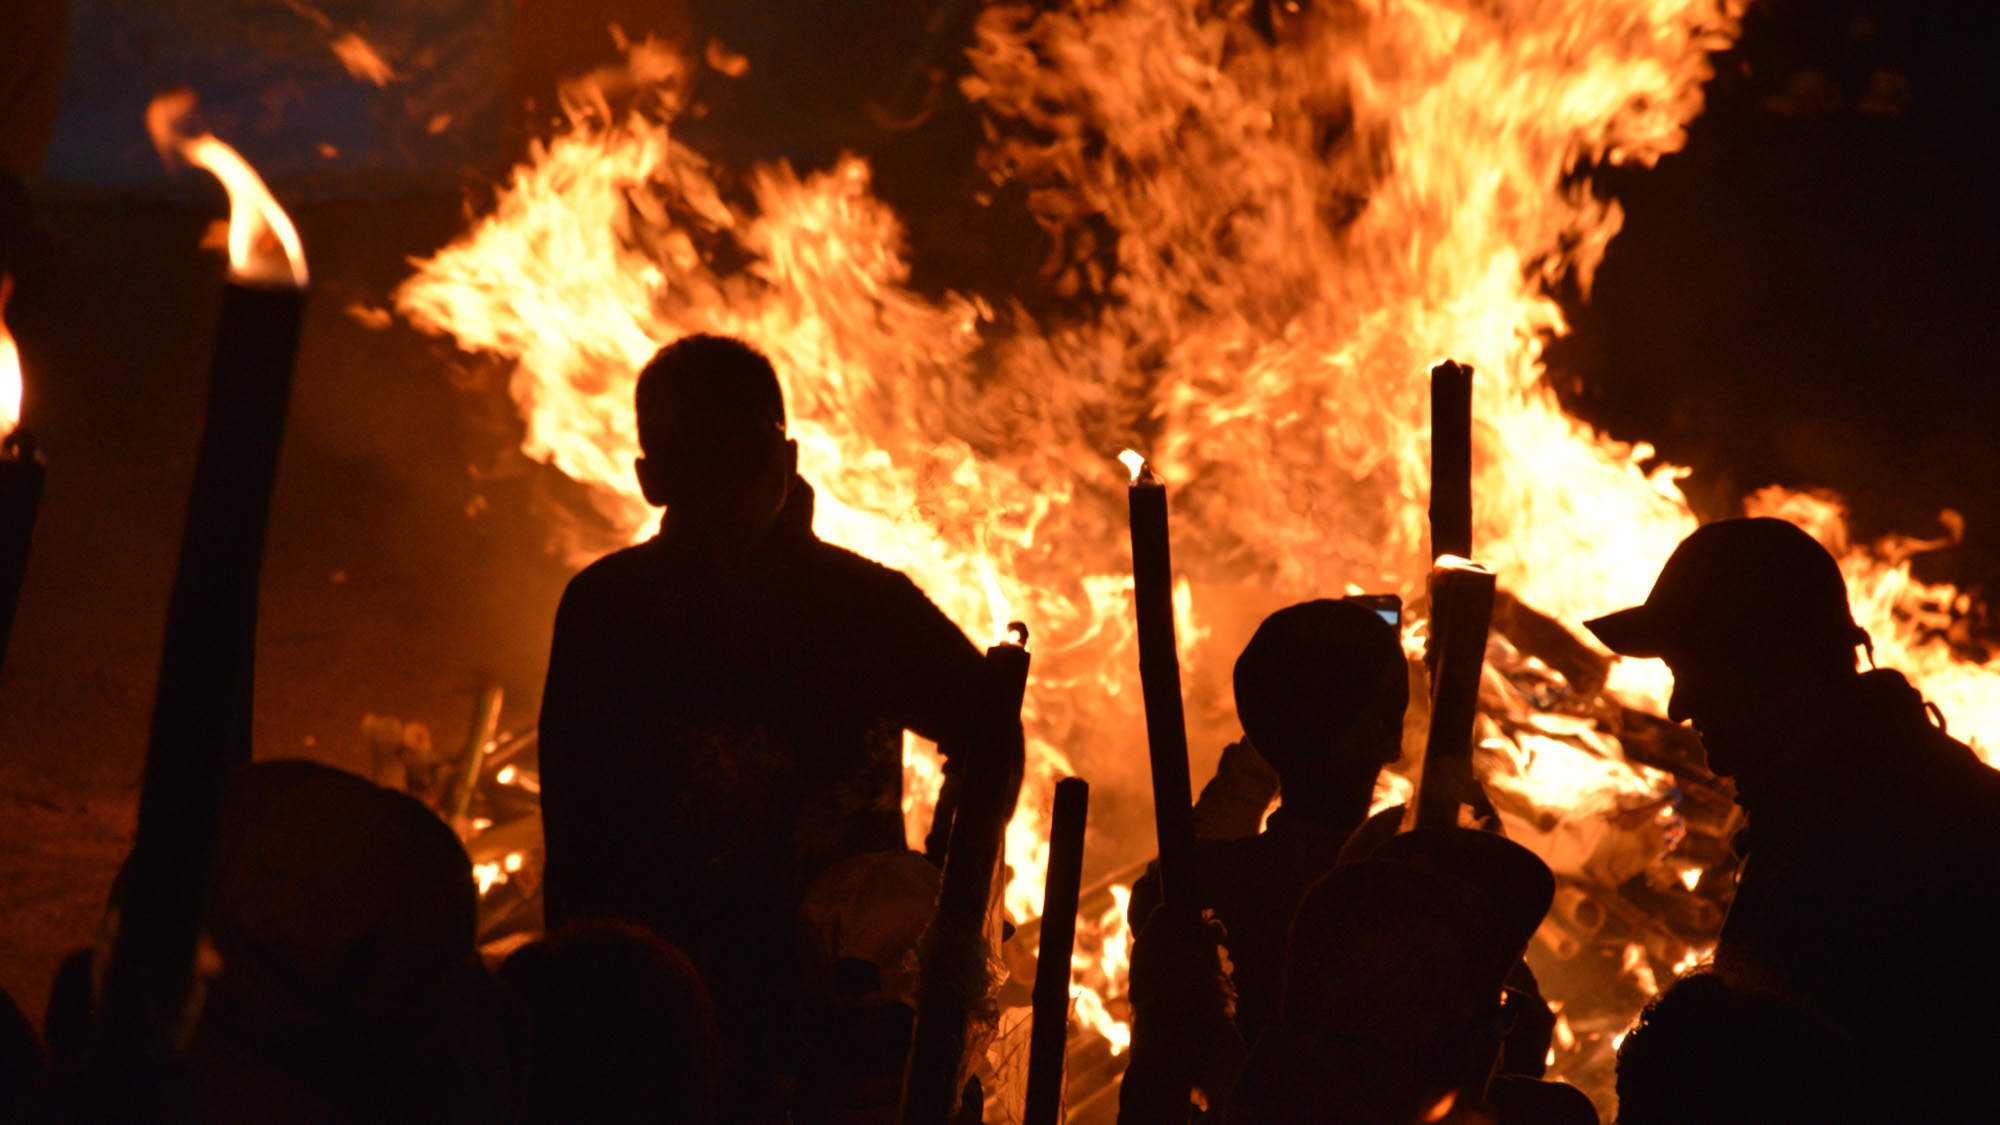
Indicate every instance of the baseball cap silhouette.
{"type": "Point", "coordinates": [1759, 586]}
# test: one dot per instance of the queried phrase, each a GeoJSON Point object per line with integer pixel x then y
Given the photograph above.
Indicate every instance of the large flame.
{"type": "Point", "coordinates": [1269, 231]}
{"type": "Point", "coordinates": [264, 247]}
{"type": "Point", "coordinates": [10, 364]}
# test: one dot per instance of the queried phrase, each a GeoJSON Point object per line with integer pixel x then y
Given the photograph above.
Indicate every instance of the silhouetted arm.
{"type": "Point", "coordinates": [1182, 1023]}
{"type": "Point", "coordinates": [934, 669]}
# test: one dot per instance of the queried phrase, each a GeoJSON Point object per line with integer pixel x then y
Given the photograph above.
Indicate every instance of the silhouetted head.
{"type": "Point", "coordinates": [622, 1029]}
{"type": "Point", "coordinates": [1752, 617]}
{"type": "Point", "coordinates": [343, 917]}
{"type": "Point", "coordinates": [1321, 689]}
{"type": "Point", "coordinates": [712, 439]}
{"type": "Point", "coordinates": [1703, 1054]}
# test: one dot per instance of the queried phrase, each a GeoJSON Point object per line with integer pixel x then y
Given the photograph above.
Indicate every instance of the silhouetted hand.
{"type": "Point", "coordinates": [1183, 1030]}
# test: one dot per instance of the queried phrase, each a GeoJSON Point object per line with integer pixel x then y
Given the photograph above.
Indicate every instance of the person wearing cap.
{"type": "Point", "coordinates": [725, 704]}
{"type": "Point", "coordinates": [1871, 864]}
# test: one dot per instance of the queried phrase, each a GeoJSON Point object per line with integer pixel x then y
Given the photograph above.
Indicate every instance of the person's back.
{"type": "Point", "coordinates": [1872, 855]}
{"type": "Point", "coordinates": [1868, 893]}
{"type": "Point", "coordinates": [1394, 970]}
{"type": "Point", "coordinates": [725, 703]}
{"type": "Point", "coordinates": [1321, 690]}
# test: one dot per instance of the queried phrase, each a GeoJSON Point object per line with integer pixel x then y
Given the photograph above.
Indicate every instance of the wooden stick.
{"type": "Point", "coordinates": [1160, 682]}
{"type": "Point", "coordinates": [472, 759]}
{"type": "Point", "coordinates": [954, 983]}
{"type": "Point", "coordinates": [1050, 1036]}
{"type": "Point", "coordinates": [22, 473]}
{"type": "Point", "coordinates": [1451, 460]}
{"type": "Point", "coordinates": [202, 705]}
{"type": "Point", "coordinates": [1461, 613]}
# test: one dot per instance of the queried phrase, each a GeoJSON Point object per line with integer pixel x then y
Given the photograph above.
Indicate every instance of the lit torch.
{"type": "Point", "coordinates": [1160, 681]}
{"type": "Point", "coordinates": [202, 704]}
{"type": "Point", "coordinates": [22, 471]}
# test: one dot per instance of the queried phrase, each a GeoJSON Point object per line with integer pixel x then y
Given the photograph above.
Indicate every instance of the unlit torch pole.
{"type": "Point", "coordinates": [1160, 683]}
{"type": "Point", "coordinates": [1461, 614]}
{"type": "Point", "coordinates": [1050, 1035]}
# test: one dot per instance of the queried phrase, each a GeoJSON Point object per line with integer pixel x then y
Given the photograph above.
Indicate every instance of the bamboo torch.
{"type": "Point", "coordinates": [202, 705]}
{"type": "Point", "coordinates": [1461, 613]}
{"type": "Point", "coordinates": [1050, 1033]}
{"type": "Point", "coordinates": [954, 983]}
{"type": "Point", "coordinates": [1160, 681]}
{"type": "Point", "coordinates": [1451, 460]}
{"type": "Point", "coordinates": [22, 473]}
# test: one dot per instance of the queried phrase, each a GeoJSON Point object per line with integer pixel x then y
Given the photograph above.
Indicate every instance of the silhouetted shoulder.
{"type": "Point", "coordinates": [857, 571]}
{"type": "Point", "coordinates": [626, 566]}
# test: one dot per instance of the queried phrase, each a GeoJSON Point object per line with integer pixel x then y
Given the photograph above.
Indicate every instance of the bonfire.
{"type": "Point", "coordinates": [1265, 231]}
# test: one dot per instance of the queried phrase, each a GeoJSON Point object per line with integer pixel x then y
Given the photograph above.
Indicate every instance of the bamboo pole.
{"type": "Point", "coordinates": [1461, 614]}
{"type": "Point", "coordinates": [1050, 1033]}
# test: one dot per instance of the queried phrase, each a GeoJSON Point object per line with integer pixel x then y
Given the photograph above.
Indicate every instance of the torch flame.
{"type": "Point", "coordinates": [264, 247]}
{"type": "Point", "coordinates": [10, 364]}
{"type": "Point", "coordinates": [996, 603]}
{"type": "Point", "coordinates": [1138, 466]}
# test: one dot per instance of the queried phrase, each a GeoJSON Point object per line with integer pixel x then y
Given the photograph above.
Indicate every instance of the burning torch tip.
{"type": "Point", "coordinates": [1454, 562]}
{"type": "Point", "coordinates": [1140, 468]}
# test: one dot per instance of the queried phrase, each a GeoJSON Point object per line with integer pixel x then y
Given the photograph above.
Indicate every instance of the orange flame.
{"type": "Point", "coordinates": [10, 364]}
{"type": "Point", "coordinates": [1135, 464]}
{"type": "Point", "coordinates": [1298, 222]}
{"type": "Point", "coordinates": [264, 247]}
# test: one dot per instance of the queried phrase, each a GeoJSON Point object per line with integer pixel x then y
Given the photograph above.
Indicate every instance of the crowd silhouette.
{"type": "Point", "coordinates": [733, 916]}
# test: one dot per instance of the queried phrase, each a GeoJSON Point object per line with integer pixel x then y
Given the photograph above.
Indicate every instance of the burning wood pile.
{"type": "Point", "coordinates": [1265, 243]}
{"type": "Point", "coordinates": [959, 445]}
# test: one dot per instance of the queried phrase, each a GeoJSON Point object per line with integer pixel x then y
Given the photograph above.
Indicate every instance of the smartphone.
{"type": "Point", "coordinates": [1388, 607]}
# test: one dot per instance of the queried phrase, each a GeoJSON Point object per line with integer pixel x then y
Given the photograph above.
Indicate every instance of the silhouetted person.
{"type": "Point", "coordinates": [340, 978]}
{"type": "Point", "coordinates": [725, 703]}
{"type": "Point", "coordinates": [1872, 856]}
{"type": "Point", "coordinates": [1392, 999]}
{"type": "Point", "coordinates": [1320, 689]}
{"type": "Point", "coordinates": [621, 1028]}
{"type": "Point", "coordinates": [1703, 1053]}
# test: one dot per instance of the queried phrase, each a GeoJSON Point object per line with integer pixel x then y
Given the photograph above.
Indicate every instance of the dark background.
{"type": "Point", "coordinates": [1803, 296]}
